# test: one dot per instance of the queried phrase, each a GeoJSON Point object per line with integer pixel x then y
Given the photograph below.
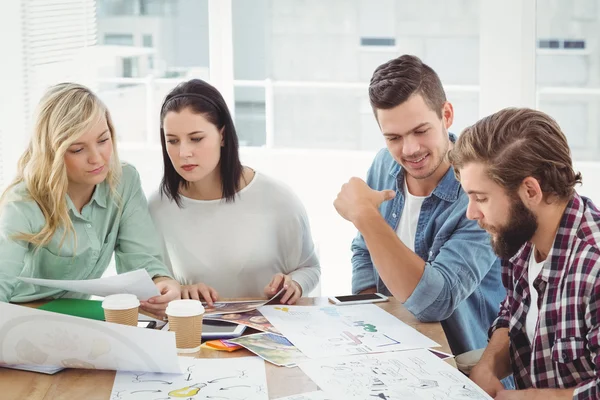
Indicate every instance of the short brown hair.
{"type": "Point", "coordinates": [516, 143]}
{"type": "Point", "coordinates": [398, 79]}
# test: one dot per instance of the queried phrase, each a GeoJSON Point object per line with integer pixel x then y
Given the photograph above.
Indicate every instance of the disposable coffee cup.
{"type": "Point", "coordinates": [185, 319]}
{"type": "Point", "coordinates": [121, 309]}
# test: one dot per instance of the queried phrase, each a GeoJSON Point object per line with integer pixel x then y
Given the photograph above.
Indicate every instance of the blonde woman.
{"type": "Point", "coordinates": [72, 204]}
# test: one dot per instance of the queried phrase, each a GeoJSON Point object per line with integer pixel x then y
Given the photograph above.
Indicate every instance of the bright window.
{"type": "Point", "coordinates": [295, 74]}
{"type": "Point", "coordinates": [568, 71]}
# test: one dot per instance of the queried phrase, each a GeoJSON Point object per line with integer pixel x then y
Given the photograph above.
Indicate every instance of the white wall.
{"type": "Point", "coordinates": [590, 187]}
{"type": "Point", "coordinates": [13, 90]}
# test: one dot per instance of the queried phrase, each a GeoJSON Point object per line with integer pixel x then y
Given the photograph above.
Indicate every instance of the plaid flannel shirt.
{"type": "Point", "coordinates": [565, 352]}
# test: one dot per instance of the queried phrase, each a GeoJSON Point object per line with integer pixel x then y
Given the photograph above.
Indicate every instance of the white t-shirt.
{"type": "Point", "coordinates": [237, 247]}
{"type": "Point", "coordinates": [407, 227]}
{"type": "Point", "coordinates": [533, 270]}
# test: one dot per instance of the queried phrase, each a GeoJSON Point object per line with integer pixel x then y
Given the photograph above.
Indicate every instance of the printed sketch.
{"type": "Point", "coordinates": [413, 374]}
{"type": "Point", "coordinates": [273, 348]}
{"type": "Point", "coordinates": [331, 331]}
{"type": "Point", "coordinates": [230, 378]}
{"type": "Point", "coordinates": [253, 319]}
{"type": "Point", "coordinates": [231, 307]}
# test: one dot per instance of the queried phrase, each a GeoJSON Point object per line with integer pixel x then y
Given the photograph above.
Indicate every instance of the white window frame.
{"type": "Point", "coordinates": [13, 96]}
{"type": "Point", "coordinates": [507, 53]}
{"type": "Point", "coordinates": [506, 59]}
{"type": "Point", "coordinates": [507, 67]}
{"type": "Point", "coordinates": [220, 49]}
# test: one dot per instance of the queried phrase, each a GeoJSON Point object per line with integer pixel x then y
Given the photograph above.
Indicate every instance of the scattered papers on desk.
{"type": "Point", "coordinates": [411, 374]}
{"type": "Point", "coordinates": [136, 282]}
{"type": "Point", "coordinates": [273, 348]}
{"type": "Point", "coordinates": [237, 307]}
{"type": "Point", "coordinates": [329, 331]}
{"type": "Point", "coordinates": [33, 368]}
{"type": "Point", "coordinates": [42, 338]}
{"type": "Point", "coordinates": [207, 378]}
{"type": "Point", "coordinates": [253, 319]}
{"type": "Point", "coordinates": [318, 395]}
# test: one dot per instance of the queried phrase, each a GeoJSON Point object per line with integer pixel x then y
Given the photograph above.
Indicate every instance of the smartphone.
{"type": "Point", "coordinates": [147, 324]}
{"type": "Point", "coordinates": [358, 299]}
{"type": "Point", "coordinates": [221, 330]}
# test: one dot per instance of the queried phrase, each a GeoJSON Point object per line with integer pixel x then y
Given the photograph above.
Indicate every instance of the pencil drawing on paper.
{"type": "Point", "coordinates": [234, 379]}
{"type": "Point", "coordinates": [414, 374]}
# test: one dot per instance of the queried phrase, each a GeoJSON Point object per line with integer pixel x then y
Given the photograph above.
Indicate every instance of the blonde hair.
{"type": "Point", "coordinates": [516, 143]}
{"type": "Point", "coordinates": [64, 114]}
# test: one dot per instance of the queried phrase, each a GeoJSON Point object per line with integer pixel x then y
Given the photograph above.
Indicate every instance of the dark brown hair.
{"type": "Point", "coordinates": [204, 99]}
{"type": "Point", "coordinates": [516, 143]}
{"type": "Point", "coordinates": [398, 79]}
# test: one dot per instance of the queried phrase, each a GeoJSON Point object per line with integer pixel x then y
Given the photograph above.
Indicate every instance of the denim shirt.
{"type": "Point", "coordinates": [461, 284]}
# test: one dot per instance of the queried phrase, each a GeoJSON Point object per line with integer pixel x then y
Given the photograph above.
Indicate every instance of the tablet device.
{"type": "Point", "coordinates": [221, 330]}
{"type": "Point", "coordinates": [212, 329]}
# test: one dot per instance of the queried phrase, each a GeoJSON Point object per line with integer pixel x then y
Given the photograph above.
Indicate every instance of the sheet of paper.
{"type": "Point", "coordinates": [411, 374]}
{"type": "Point", "coordinates": [318, 395]}
{"type": "Point", "coordinates": [42, 338]}
{"type": "Point", "coordinates": [33, 368]}
{"type": "Point", "coordinates": [202, 378]}
{"type": "Point", "coordinates": [328, 331]}
{"type": "Point", "coordinates": [273, 348]}
{"type": "Point", "coordinates": [253, 319]}
{"type": "Point", "coordinates": [136, 282]}
{"type": "Point", "coordinates": [237, 307]}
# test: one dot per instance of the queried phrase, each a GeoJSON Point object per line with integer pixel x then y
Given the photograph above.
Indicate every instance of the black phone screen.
{"type": "Point", "coordinates": [147, 324]}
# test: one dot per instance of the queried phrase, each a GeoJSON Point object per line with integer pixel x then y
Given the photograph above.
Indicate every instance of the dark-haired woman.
{"type": "Point", "coordinates": [228, 230]}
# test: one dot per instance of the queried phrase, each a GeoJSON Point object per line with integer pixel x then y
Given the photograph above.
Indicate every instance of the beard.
{"type": "Point", "coordinates": [522, 225]}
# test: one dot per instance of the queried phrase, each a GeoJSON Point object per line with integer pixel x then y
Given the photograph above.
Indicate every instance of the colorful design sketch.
{"type": "Point", "coordinates": [273, 348]}
{"type": "Point", "coordinates": [329, 331]}
{"type": "Point", "coordinates": [226, 378]}
{"type": "Point", "coordinates": [253, 319]}
{"type": "Point", "coordinates": [411, 374]}
{"type": "Point", "coordinates": [318, 395]}
{"type": "Point", "coordinates": [230, 307]}
{"type": "Point", "coordinates": [43, 338]}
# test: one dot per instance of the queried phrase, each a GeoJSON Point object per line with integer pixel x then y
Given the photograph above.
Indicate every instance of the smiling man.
{"type": "Point", "coordinates": [414, 240]}
{"type": "Point", "coordinates": [516, 167]}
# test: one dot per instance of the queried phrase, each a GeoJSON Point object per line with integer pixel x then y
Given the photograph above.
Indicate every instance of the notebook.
{"type": "Point", "coordinates": [91, 309]}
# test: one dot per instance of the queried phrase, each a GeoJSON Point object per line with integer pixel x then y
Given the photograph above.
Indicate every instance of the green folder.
{"type": "Point", "coordinates": [91, 309]}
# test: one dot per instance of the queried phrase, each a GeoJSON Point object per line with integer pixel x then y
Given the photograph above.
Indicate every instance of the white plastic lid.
{"type": "Point", "coordinates": [120, 302]}
{"type": "Point", "coordinates": [185, 308]}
